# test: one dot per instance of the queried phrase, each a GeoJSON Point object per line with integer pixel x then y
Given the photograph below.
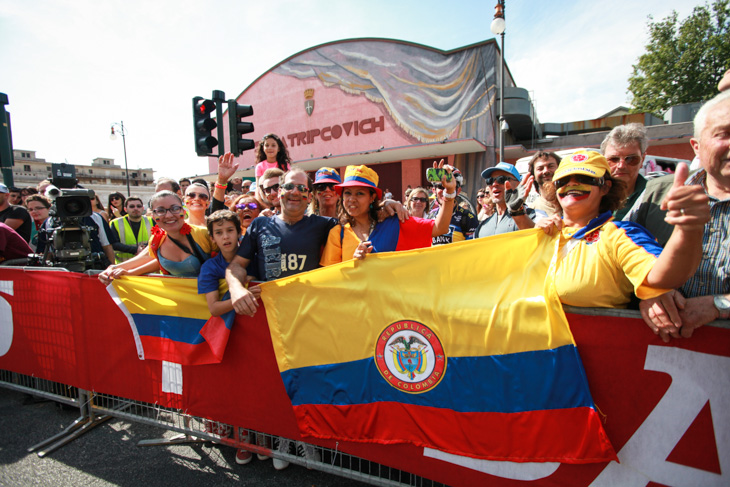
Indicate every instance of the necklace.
{"type": "Point", "coordinates": [362, 235]}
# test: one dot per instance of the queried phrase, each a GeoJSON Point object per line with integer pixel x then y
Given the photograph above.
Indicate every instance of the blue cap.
{"type": "Point", "coordinates": [502, 166]}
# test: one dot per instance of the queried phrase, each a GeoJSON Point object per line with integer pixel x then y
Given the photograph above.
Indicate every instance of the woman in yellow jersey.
{"type": "Point", "coordinates": [600, 262]}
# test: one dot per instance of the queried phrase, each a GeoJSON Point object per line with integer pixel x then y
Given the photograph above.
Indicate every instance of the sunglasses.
{"type": "Point", "coordinates": [324, 186]}
{"type": "Point", "coordinates": [629, 160]}
{"type": "Point", "coordinates": [421, 199]}
{"type": "Point", "coordinates": [268, 190]}
{"type": "Point", "coordinates": [193, 195]}
{"type": "Point", "coordinates": [480, 196]}
{"type": "Point", "coordinates": [499, 180]}
{"type": "Point", "coordinates": [581, 178]}
{"type": "Point", "coordinates": [250, 206]}
{"type": "Point", "coordinates": [302, 188]}
{"type": "Point", "coordinates": [115, 197]}
{"type": "Point", "coordinates": [174, 210]}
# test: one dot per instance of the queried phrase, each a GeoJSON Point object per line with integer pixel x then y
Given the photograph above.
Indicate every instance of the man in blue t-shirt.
{"type": "Point", "coordinates": [283, 245]}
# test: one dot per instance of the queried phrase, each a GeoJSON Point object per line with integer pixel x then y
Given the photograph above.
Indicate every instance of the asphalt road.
{"type": "Point", "coordinates": [108, 455]}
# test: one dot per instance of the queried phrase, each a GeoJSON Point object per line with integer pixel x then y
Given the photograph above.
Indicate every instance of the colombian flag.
{"type": "Point", "coordinates": [463, 348]}
{"type": "Point", "coordinates": [170, 320]}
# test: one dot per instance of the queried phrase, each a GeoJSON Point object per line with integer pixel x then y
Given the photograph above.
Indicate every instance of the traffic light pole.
{"type": "Point", "coordinates": [219, 97]}
{"type": "Point", "coordinates": [6, 143]}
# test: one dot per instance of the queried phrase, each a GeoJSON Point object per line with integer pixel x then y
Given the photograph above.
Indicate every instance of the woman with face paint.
{"type": "Point", "coordinates": [600, 262]}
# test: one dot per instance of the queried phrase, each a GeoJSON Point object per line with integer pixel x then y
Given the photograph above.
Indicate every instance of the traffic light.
{"type": "Point", "coordinates": [204, 126]}
{"type": "Point", "coordinates": [236, 128]}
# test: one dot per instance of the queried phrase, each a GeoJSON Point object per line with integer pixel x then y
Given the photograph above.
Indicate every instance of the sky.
{"type": "Point", "coordinates": [71, 68]}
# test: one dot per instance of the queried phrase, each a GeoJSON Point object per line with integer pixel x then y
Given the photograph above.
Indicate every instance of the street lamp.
{"type": "Point", "coordinates": [113, 136]}
{"type": "Point", "coordinates": [498, 26]}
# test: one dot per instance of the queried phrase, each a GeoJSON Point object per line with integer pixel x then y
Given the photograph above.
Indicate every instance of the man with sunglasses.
{"type": "Point", "coordinates": [463, 222]}
{"type": "Point", "coordinates": [132, 231]}
{"type": "Point", "coordinates": [269, 184]}
{"type": "Point", "coordinates": [500, 179]}
{"type": "Point", "coordinates": [625, 148]}
{"type": "Point", "coordinates": [286, 244]}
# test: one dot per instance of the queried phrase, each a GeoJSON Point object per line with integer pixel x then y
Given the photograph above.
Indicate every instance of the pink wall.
{"type": "Point", "coordinates": [278, 103]}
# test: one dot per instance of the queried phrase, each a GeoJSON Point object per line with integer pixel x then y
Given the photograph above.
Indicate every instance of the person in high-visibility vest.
{"type": "Point", "coordinates": [132, 231]}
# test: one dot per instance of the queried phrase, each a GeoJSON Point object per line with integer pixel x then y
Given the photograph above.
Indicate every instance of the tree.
{"type": "Point", "coordinates": [683, 61]}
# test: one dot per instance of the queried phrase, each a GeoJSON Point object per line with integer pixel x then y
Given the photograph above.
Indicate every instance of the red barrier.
{"type": "Point", "coordinates": [665, 406]}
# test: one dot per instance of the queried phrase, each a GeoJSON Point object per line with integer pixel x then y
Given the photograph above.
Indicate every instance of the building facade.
{"type": "Point", "coordinates": [398, 107]}
{"type": "Point", "coordinates": [103, 176]}
{"type": "Point", "coordinates": [392, 105]}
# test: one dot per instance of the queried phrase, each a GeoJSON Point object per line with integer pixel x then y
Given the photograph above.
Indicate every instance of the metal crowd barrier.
{"type": "Point", "coordinates": [96, 408]}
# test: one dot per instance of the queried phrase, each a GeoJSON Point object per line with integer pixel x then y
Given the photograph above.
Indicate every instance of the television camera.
{"type": "Point", "coordinates": [66, 232]}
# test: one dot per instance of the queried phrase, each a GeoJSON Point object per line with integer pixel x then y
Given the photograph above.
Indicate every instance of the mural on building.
{"type": "Point", "coordinates": [430, 95]}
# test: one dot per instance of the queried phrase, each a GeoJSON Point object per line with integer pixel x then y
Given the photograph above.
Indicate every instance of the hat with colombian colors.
{"type": "Point", "coordinates": [589, 163]}
{"type": "Point", "coordinates": [327, 175]}
{"type": "Point", "coordinates": [360, 176]}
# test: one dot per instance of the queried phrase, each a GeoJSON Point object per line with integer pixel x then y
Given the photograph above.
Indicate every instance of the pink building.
{"type": "Point", "coordinates": [392, 105]}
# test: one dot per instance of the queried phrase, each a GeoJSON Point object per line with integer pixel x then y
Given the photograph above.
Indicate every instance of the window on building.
{"type": "Point", "coordinates": [26, 168]}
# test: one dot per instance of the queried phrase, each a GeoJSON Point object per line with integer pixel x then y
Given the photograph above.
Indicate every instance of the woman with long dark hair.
{"type": "Point", "coordinates": [360, 232]}
{"type": "Point", "coordinates": [115, 207]}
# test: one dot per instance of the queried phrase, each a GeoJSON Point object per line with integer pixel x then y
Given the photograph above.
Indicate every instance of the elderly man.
{"type": "Point", "coordinates": [542, 166]}
{"type": "Point", "coordinates": [705, 296]}
{"type": "Point", "coordinates": [502, 178]}
{"type": "Point", "coordinates": [625, 148]}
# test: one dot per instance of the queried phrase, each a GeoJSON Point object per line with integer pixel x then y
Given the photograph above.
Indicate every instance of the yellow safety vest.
{"type": "Point", "coordinates": [127, 236]}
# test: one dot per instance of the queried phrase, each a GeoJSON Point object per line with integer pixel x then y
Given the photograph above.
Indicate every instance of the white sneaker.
{"type": "Point", "coordinates": [261, 441]}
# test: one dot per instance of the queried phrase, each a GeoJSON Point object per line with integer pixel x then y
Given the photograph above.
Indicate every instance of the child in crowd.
{"type": "Point", "coordinates": [224, 228]}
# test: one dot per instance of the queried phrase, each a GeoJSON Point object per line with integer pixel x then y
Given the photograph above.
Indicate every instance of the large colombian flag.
{"type": "Point", "coordinates": [463, 348]}
{"type": "Point", "coordinates": [170, 320]}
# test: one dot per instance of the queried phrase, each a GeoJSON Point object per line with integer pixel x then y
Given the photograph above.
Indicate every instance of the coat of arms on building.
{"type": "Point", "coordinates": [309, 101]}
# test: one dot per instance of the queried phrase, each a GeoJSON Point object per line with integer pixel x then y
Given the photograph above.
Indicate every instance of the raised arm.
{"type": "Point", "coordinates": [688, 210]}
{"type": "Point", "coordinates": [443, 217]}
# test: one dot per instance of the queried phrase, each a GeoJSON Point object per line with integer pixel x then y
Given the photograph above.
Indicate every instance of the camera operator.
{"type": "Point", "coordinates": [14, 216]}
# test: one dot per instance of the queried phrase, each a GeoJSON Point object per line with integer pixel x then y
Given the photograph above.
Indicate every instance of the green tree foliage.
{"type": "Point", "coordinates": [684, 60]}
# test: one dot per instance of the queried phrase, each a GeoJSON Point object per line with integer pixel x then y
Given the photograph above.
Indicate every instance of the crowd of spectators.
{"type": "Point", "coordinates": [622, 238]}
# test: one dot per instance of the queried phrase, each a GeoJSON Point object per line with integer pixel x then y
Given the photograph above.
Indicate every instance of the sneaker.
{"type": "Point", "coordinates": [261, 441]}
{"type": "Point", "coordinates": [284, 448]}
{"type": "Point", "coordinates": [308, 451]}
{"type": "Point", "coordinates": [243, 457]}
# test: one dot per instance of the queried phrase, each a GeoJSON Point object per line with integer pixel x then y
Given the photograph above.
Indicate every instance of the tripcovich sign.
{"type": "Point", "coordinates": [346, 129]}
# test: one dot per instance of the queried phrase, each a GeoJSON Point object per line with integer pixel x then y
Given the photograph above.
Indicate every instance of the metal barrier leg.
{"type": "Point", "coordinates": [81, 425]}
{"type": "Point", "coordinates": [180, 439]}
